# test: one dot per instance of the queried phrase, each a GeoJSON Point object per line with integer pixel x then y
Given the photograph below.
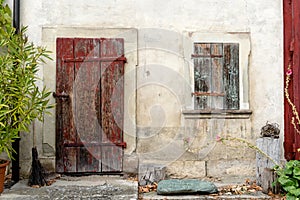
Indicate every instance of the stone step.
{"type": "Point", "coordinates": [154, 196]}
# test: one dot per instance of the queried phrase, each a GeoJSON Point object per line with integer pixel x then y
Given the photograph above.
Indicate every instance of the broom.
{"type": "Point", "coordinates": [37, 175]}
{"type": "Point", "coordinates": [37, 172]}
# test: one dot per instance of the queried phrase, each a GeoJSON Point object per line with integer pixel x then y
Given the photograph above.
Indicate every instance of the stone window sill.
{"type": "Point", "coordinates": [216, 114]}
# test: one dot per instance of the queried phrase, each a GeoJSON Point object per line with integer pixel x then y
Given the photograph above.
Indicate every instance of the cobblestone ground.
{"type": "Point", "coordinates": [96, 187]}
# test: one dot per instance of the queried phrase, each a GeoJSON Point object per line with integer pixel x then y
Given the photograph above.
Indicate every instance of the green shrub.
{"type": "Point", "coordinates": [289, 179]}
{"type": "Point", "coordinates": [21, 100]}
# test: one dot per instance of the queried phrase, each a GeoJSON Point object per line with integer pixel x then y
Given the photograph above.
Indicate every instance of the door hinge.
{"type": "Point", "coordinates": [60, 95]}
{"type": "Point", "coordinates": [122, 144]}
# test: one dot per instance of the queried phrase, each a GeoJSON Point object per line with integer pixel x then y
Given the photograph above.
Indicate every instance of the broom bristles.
{"type": "Point", "coordinates": [37, 175]}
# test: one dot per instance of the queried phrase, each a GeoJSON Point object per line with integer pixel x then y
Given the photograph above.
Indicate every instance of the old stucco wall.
{"type": "Point", "coordinates": [162, 74]}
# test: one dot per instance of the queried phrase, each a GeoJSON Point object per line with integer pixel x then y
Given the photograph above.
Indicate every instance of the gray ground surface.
{"type": "Point", "coordinates": [103, 188]}
{"type": "Point", "coordinates": [88, 187]}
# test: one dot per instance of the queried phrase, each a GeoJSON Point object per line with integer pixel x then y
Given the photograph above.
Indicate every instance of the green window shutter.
{"type": "Point", "coordinates": [231, 76]}
{"type": "Point", "coordinates": [217, 95]}
{"type": "Point", "coordinates": [202, 74]}
{"type": "Point", "coordinates": [216, 75]}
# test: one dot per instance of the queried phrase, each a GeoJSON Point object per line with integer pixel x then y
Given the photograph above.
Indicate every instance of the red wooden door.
{"type": "Point", "coordinates": [291, 13]}
{"type": "Point", "coordinates": [89, 110]}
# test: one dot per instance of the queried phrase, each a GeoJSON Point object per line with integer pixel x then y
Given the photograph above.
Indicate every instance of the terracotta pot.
{"type": "Point", "coordinates": [2, 173]}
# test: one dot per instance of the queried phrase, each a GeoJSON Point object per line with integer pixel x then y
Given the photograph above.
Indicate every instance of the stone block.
{"type": "Point", "coordinates": [232, 167]}
{"type": "Point", "coordinates": [187, 186]}
{"type": "Point", "coordinates": [48, 163]}
{"type": "Point", "coordinates": [187, 169]}
{"type": "Point", "coordinates": [131, 164]}
{"type": "Point", "coordinates": [265, 176]}
{"type": "Point", "coordinates": [160, 144]}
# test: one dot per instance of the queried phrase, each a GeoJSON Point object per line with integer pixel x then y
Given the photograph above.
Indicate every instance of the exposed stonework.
{"type": "Point", "coordinates": [184, 169]}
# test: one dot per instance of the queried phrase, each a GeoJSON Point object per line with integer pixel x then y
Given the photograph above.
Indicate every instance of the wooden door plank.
{"type": "Point", "coordinates": [112, 159]}
{"type": "Point", "coordinates": [87, 80]}
{"type": "Point", "coordinates": [64, 118]}
{"type": "Point", "coordinates": [66, 72]}
{"type": "Point", "coordinates": [112, 101]}
{"type": "Point", "coordinates": [89, 159]}
{"type": "Point", "coordinates": [112, 104]}
{"type": "Point", "coordinates": [70, 160]}
{"type": "Point", "coordinates": [106, 117]}
{"type": "Point", "coordinates": [112, 47]}
{"type": "Point", "coordinates": [117, 101]}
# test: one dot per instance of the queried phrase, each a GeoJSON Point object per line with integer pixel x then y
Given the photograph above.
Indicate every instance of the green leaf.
{"type": "Point", "coordinates": [289, 188]}
{"type": "Point", "coordinates": [290, 197]}
{"type": "Point", "coordinates": [296, 171]}
{"type": "Point", "coordinates": [288, 171]}
{"type": "Point", "coordinates": [295, 192]}
{"type": "Point", "coordinates": [286, 181]}
{"type": "Point", "coordinates": [290, 164]}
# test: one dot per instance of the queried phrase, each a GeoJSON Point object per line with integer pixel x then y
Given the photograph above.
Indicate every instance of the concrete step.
{"type": "Point", "coordinates": [154, 196]}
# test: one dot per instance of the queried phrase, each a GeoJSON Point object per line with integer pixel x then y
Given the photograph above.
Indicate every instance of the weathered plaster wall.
{"type": "Point", "coordinates": [156, 107]}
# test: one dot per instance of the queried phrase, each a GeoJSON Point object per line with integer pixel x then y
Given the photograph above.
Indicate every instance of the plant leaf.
{"type": "Point", "coordinates": [295, 192]}
{"type": "Point", "coordinates": [290, 197]}
{"type": "Point", "coordinates": [296, 171]}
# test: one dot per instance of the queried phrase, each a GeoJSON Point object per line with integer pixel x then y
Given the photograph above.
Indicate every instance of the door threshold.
{"type": "Point", "coordinates": [77, 174]}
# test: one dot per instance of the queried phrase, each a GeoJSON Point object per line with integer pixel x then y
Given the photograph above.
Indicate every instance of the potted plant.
{"type": "Point", "coordinates": [21, 99]}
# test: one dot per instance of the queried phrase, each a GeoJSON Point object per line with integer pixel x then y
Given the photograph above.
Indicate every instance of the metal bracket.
{"type": "Point", "coordinates": [60, 95]}
{"type": "Point", "coordinates": [122, 144]}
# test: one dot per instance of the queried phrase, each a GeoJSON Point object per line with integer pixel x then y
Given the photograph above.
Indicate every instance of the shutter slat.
{"type": "Point", "coordinates": [202, 81]}
{"type": "Point", "coordinates": [231, 75]}
{"type": "Point", "coordinates": [217, 75]}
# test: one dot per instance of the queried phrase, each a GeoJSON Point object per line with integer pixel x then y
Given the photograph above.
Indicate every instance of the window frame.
{"type": "Point", "coordinates": [243, 39]}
